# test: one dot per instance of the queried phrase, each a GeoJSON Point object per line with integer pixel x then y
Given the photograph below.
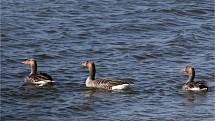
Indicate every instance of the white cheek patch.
{"type": "Point", "coordinates": [119, 87]}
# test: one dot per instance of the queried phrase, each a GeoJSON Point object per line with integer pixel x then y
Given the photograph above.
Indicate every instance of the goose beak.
{"type": "Point", "coordinates": [24, 62]}
{"type": "Point", "coordinates": [183, 70]}
{"type": "Point", "coordinates": [83, 64]}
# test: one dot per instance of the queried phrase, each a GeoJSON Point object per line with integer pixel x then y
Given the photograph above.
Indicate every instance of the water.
{"type": "Point", "coordinates": [147, 42]}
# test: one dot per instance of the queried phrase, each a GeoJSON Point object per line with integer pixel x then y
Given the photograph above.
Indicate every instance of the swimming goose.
{"type": "Point", "coordinates": [191, 84]}
{"type": "Point", "coordinates": [35, 78]}
{"type": "Point", "coordinates": [103, 83]}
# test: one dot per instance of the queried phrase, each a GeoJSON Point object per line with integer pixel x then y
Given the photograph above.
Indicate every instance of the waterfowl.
{"type": "Point", "coordinates": [103, 83]}
{"type": "Point", "coordinates": [191, 84]}
{"type": "Point", "coordinates": [35, 78]}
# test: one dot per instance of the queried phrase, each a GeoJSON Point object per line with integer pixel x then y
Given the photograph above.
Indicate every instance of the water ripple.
{"type": "Point", "coordinates": [147, 42]}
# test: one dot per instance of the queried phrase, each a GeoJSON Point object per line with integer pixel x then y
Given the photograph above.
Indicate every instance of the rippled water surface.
{"type": "Point", "coordinates": [147, 42]}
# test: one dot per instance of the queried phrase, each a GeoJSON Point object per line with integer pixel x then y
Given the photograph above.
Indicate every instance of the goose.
{"type": "Point", "coordinates": [35, 78]}
{"type": "Point", "coordinates": [104, 83]}
{"type": "Point", "coordinates": [190, 83]}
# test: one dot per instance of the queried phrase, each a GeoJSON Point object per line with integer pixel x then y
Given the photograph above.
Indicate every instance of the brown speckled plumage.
{"type": "Point", "coordinates": [104, 83]}
{"type": "Point", "coordinates": [191, 84]}
{"type": "Point", "coordinates": [34, 77]}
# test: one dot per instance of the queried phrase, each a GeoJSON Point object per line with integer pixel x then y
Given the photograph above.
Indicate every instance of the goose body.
{"type": "Point", "coordinates": [34, 77]}
{"type": "Point", "coordinates": [103, 83]}
{"type": "Point", "coordinates": [191, 84]}
{"type": "Point", "coordinates": [195, 86]}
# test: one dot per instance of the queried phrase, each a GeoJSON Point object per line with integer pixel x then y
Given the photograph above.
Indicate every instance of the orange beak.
{"type": "Point", "coordinates": [25, 62]}
{"type": "Point", "coordinates": [183, 70]}
{"type": "Point", "coordinates": [83, 64]}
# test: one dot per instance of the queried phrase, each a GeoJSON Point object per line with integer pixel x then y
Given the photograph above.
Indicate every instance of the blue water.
{"type": "Point", "coordinates": [147, 42]}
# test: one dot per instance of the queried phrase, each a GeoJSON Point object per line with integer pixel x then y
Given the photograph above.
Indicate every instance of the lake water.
{"type": "Point", "coordinates": [147, 42]}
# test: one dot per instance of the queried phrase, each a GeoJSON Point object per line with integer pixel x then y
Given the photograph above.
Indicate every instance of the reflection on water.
{"type": "Point", "coordinates": [147, 42]}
